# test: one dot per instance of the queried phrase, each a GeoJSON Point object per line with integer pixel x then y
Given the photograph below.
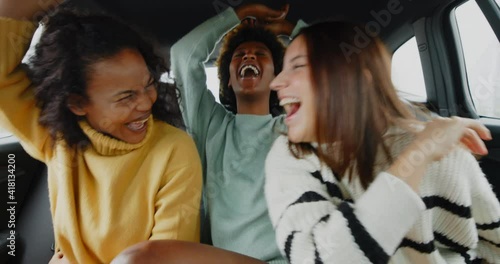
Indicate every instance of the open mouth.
{"type": "Point", "coordinates": [249, 71]}
{"type": "Point", "coordinates": [291, 105]}
{"type": "Point", "coordinates": [138, 126]}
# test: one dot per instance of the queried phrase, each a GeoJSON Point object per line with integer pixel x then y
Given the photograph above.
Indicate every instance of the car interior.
{"type": "Point", "coordinates": [446, 57]}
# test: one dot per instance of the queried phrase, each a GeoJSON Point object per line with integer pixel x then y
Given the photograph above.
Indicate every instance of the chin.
{"type": "Point", "coordinates": [294, 138]}
{"type": "Point", "coordinates": [298, 137]}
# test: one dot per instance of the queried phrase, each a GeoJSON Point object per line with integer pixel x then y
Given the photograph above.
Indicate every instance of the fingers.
{"type": "Point", "coordinates": [472, 140]}
{"type": "Point", "coordinates": [446, 133]}
{"type": "Point", "coordinates": [471, 133]}
{"type": "Point", "coordinates": [278, 14]}
{"type": "Point", "coordinates": [286, 8]}
{"type": "Point", "coordinates": [476, 126]}
{"type": "Point", "coordinates": [267, 14]}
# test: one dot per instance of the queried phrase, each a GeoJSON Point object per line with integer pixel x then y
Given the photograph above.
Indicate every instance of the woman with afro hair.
{"type": "Point", "coordinates": [232, 137]}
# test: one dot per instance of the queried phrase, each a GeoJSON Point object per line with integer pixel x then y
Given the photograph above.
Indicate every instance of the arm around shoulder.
{"type": "Point", "coordinates": [188, 57]}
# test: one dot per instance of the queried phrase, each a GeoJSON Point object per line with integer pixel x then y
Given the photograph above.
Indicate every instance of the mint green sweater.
{"type": "Point", "coordinates": [232, 148]}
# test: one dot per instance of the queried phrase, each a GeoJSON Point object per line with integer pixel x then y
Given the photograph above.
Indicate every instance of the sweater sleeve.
{"type": "Point", "coordinates": [300, 24]}
{"type": "Point", "coordinates": [314, 224]}
{"type": "Point", "coordinates": [188, 55]}
{"type": "Point", "coordinates": [485, 209]}
{"type": "Point", "coordinates": [18, 111]}
{"type": "Point", "coordinates": [177, 208]}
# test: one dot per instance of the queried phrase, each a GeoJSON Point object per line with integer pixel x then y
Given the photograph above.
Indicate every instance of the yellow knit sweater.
{"type": "Point", "coordinates": [113, 194]}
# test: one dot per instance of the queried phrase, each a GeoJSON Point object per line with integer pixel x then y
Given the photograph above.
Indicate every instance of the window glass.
{"type": "Point", "coordinates": [213, 81]}
{"type": "Point", "coordinates": [481, 51]}
{"type": "Point", "coordinates": [407, 74]}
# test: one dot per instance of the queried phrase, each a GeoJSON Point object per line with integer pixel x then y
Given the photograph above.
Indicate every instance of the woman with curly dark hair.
{"type": "Point", "coordinates": [90, 105]}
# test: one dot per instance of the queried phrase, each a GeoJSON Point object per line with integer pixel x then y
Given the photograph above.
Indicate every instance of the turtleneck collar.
{"type": "Point", "coordinates": [108, 146]}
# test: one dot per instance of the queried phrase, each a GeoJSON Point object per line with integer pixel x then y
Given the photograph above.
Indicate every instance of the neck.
{"type": "Point", "coordinates": [253, 106]}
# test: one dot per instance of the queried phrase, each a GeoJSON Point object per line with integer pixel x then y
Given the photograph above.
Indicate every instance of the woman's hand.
{"type": "Point", "coordinates": [441, 135]}
{"type": "Point", "coordinates": [261, 12]}
{"type": "Point", "coordinates": [271, 19]}
{"type": "Point", "coordinates": [280, 27]}
{"type": "Point", "coordinates": [32, 10]}
{"type": "Point", "coordinates": [438, 138]}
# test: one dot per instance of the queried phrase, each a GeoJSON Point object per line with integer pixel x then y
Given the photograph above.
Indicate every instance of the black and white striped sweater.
{"type": "Point", "coordinates": [318, 219]}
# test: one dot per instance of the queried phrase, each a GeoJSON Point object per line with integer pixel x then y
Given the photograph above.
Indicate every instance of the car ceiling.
{"type": "Point", "coordinates": [167, 21]}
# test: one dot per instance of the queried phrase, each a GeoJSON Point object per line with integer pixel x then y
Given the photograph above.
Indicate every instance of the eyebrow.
{"type": "Point", "coordinates": [124, 92]}
{"type": "Point", "coordinates": [150, 81]}
{"type": "Point", "coordinates": [264, 47]}
{"type": "Point", "coordinates": [297, 57]}
{"type": "Point", "coordinates": [257, 47]}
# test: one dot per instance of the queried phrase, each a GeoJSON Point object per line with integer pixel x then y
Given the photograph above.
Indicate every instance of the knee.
{"type": "Point", "coordinates": [138, 253]}
{"type": "Point", "coordinates": [153, 251]}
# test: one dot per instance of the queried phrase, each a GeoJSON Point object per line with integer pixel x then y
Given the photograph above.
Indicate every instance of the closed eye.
{"type": "Point", "coordinates": [238, 54]}
{"type": "Point", "coordinates": [127, 97]}
{"type": "Point", "coordinates": [298, 66]}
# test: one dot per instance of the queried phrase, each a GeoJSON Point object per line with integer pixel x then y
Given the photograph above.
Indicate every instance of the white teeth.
{"type": "Point", "coordinates": [251, 67]}
{"type": "Point", "coordinates": [289, 100]}
{"type": "Point", "coordinates": [138, 125]}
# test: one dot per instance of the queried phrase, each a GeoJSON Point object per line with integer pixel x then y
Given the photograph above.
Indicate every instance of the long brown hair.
{"type": "Point", "coordinates": [355, 99]}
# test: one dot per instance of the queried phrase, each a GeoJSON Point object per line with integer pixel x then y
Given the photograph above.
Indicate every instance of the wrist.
{"type": "Point", "coordinates": [27, 10]}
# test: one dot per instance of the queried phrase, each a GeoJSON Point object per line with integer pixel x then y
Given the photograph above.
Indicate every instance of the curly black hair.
{"type": "Point", "coordinates": [68, 46]}
{"type": "Point", "coordinates": [232, 40]}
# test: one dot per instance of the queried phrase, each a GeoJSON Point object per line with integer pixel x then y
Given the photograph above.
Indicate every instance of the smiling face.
{"type": "Point", "coordinates": [120, 96]}
{"type": "Point", "coordinates": [251, 69]}
{"type": "Point", "coordinates": [296, 94]}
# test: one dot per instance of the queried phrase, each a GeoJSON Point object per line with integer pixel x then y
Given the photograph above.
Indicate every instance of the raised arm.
{"type": "Point", "coordinates": [18, 111]}
{"type": "Point", "coordinates": [188, 56]}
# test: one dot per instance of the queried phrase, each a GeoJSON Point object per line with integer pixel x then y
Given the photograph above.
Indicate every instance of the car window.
{"type": "Point", "coordinates": [213, 81]}
{"type": "Point", "coordinates": [481, 51]}
{"type": "Point", "coordinates": [407, 74]}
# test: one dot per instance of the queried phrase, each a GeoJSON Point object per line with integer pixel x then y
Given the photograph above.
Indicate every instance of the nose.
{"type": "Point", "coordinates": [278, 83]}
{"type": "Point", "coordinates": [248, 56]}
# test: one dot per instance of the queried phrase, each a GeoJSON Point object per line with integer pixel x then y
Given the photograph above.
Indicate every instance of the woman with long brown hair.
{"type": "Point", "coordinates": [358, 179]}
